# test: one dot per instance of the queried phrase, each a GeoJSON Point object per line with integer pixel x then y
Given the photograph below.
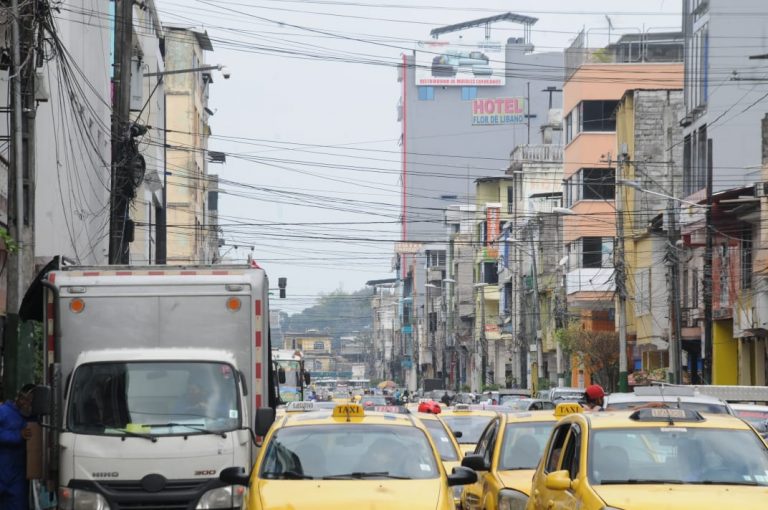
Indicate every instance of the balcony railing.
{"type": "Point", "coordinates": [537, 153]}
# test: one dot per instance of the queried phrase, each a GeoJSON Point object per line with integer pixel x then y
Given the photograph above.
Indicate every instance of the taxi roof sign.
{"type": "Point", "coordinates": [348, 411]}
{"type": "Point", "coordinates": [461, 407]}
{"type": "Point", "coordinates": [300, 405]}
{"type": "Point", "coordinates": [566, 408]}
{"type": "Point", "coordinates": [670, 415]}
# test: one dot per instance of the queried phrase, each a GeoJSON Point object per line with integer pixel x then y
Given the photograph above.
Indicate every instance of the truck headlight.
{"type": "Point", "coordinates": [78, 499]}
{"type": "Point", "coordinates": [512, 500]}
{"type": "Point", "coordinates": [230, 496]}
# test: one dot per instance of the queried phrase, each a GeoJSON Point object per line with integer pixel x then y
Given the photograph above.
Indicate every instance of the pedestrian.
{"type": "Point", "coordinates": [594, 398]}
{"type": "Point", "coordinates": [14, 434]}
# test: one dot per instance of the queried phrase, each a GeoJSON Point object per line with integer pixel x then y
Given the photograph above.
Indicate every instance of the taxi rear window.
{"type": "Point", "coordinates": [348, 452]}
{"type": "Point", "coordinates": [441, 439]}
{"type": "Point", "coordinates": [471, 427]}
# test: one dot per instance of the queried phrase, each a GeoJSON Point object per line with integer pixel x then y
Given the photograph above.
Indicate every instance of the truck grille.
{"type": "Point", "coordinates": [130, 495]}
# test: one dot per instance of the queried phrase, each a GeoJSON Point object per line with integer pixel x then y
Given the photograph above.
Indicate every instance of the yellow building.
{"type": "Point", "coordinates": [192, 236]}
{"type": "Point", "coordinates": [317, 349]}
{"type": "Point", "coordinates": [491, 351]}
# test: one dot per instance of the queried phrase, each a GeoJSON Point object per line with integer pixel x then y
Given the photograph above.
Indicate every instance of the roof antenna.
{"type": "Point", "coordinates": [664, 402]}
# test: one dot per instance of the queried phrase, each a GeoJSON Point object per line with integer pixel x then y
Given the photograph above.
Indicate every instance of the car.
{"type": "Point", "coordinates": [679, 397]}
{"type": "Point", "coordinates": [470, 420]}
{"type": "Point", "coordinates": [345, 458]}
{"type": "Point", "coordinates": [755, 415]}
{"type": "Point", "coordinates": [564, 394]}
{"type": "Point", "coordinates": [651, 458]}
{"type": "Point", "coordinates": [447, 446]}
{"type": "Point", "coordinates": [505, 458]}
{"type": "Point", "coordinates": [528, 404]}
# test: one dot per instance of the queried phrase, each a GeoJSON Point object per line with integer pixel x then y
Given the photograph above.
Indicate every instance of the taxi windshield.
{"type": "Point", "coordinates": [677, 455]}
{"type": "Point", "coordinates": [470, 426]}
{"type": "Point", "coordinates": [441, 439]}
{"type": "Point", "coordinates": [349, 452]}
{"type": "Point", "coordinates": [523, 445]}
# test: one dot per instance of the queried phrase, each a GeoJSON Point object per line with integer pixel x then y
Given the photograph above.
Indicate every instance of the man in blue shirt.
{"type": "Point", "coordinates": [13, 450]}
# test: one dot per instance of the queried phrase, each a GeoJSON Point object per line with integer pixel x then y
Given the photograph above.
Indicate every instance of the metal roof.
{"type": "Point", "coordinates": [514, 18]}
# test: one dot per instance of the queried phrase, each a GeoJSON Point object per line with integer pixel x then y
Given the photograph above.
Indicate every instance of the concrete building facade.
{"type": "Point", "coordinates": [596, 79]}
{"type": "Point", "coordinates": [189, 227]}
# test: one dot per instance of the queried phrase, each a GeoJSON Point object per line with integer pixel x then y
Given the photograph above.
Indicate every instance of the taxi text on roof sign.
{"type": "Point", "coordinates": [348, 411]}
{"type": "Point", "coordinates": [567, 408]}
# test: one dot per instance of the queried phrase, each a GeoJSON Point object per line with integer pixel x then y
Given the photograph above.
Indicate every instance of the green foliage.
{"type": "Point", "coordinates": [491, 387]}
{"type": "Point", "coordinates": [336, 314]}
{"type": "Point", "coordinates": [10, 243]}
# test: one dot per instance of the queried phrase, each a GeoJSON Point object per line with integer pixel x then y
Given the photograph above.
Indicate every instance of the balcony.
{"type": "Point", "coordinates": [539, 153]}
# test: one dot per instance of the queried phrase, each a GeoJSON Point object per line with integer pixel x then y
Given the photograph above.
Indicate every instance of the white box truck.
{"type": "Point", "coordinates": [157, 374]}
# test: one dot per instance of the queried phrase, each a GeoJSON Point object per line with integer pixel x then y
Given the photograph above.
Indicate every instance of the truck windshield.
{"type": "Point", "coordinates": [154, 398]}
{"type": "Point", "coordinates": [290, 390]}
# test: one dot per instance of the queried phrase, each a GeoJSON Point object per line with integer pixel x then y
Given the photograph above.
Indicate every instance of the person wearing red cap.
{"type": "Point", "coordinates": [594, 398]}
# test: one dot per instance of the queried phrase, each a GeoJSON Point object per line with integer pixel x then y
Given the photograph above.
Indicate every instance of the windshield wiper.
{"type": "Point", "coordinates": [632, 481]}
{"type": "Point", "coordinates": [289, 475]}
{"type": "Point", "coordinates": [359, 475]}
{"type": "Point", "coordinates": [724, 482]}
{"type": "Point", "coordinates": [124, 432]}
{"type": "Point", "coordinates": [199, 428]}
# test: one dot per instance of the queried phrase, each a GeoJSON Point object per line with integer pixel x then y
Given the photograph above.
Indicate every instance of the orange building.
{"type": "Point", "coordinates": [596, 79]}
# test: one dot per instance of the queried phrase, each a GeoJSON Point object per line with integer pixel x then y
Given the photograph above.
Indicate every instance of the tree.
{"type": "Point", "coordinates": [597, 352]}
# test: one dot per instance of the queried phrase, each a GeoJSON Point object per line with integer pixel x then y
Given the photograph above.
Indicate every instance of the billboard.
{"type": "Point", "coordinates": [446, 64]}
{"type": "Point", "coordinates": [498, 111]}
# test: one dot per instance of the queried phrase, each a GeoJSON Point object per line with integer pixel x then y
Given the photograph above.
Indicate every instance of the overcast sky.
{"type": "Point", "coordinates": [308, 118]}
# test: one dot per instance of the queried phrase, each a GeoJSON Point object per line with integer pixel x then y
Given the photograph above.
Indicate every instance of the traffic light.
{"type": "Point", "coordinates": [281, 283]}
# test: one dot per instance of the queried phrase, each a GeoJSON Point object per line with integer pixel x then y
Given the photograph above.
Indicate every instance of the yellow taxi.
{"type": "Point", "coordinates": [447, 446]}
{"type": "Point", "coordinates": [651, 458]}
{"type": "Point", "coordinates": [345, 458]}
{"type": "Point", "coordinates": [467, 423]}
{"type": "Point", "coordinates": [506, 456]}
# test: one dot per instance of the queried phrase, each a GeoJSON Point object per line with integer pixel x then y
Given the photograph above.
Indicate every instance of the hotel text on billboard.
{"type": "Point", "coordinates": [498, 111]}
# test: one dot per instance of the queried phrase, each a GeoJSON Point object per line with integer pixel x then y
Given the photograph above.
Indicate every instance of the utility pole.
{"type": "Point", "coordinates": [621, 284]}
{"type": "Point", "coordinates": [483, 341]}
{"type": "Point", "coordinates": [19, 337]}
{"type": "Point", "coordinates": [119, 221]}
{"type": "Point", "coordinates": [707, 362]}
{"type": "Point", "coordinates": [675, 337]}
{"type": "Point", "coordinates": [536, 318]}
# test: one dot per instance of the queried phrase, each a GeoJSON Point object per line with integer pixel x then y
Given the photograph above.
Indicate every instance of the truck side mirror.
{"type": "Point", "coordinates": [265, 417]}
{"type": "Point", "coordinates": [306, 378]}
{"type": "Point", "coordinates": [281, 375]}
{"type": "Point", "coordinates": [234, 476]}
{"type": "Point", "coordinates": [41, 401]}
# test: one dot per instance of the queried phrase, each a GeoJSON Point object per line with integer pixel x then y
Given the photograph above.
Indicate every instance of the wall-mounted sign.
{"type": "Point", "coordinates": [498, 111]}
{"type": "Point", "coordinates": [460, 64]}
{"type": "Point", "coordinates": [407, 248]}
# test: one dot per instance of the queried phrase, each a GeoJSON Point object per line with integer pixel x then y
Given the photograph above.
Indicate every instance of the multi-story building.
{"type": "Point", "coordinates": [725, 52]}
{"type": "Point", "coordinates": [148, 109]}
{"type": "Point", "coordinates": [649, 153]}
{"type": "Point", "coordinates": [463, 104]}
{"type": "Point", "coordinates": [462, 347]}
{"type": "Point", "coordinates": [189, 228]}
{"type": "Point", "coordinates": [596, 79]}
{"type": "Point", "coordinates": [318, 354]}
{"type": "Point", "coordinates": [386, 349]}
{"type": "Point", "coordinates": [534, 229]}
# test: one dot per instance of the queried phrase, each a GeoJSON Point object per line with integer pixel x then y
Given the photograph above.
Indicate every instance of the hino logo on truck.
{"type": "Point", "coordinates": [106, 474]}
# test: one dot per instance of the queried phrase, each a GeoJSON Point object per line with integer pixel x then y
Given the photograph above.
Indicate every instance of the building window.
{"type": "Point", "coordinates": [643, 291]}
{"type": "Point", "coordinates": [590, 184]}
{"type": "Point", "coordinates": [426, 93]}
{"type": "Point", "coordinates": [569, 125]}
{"type": "Point", "coordinates": [435, 258]}
{"type": "Point", "coordinates": [590, 253]}
{"type": "Point", "coordinates": [319, 346]}
{"type": "Point", "coordinates": [468, 93]}
{"type": "Point", "coordinates": [510, 200]}
{"type": "Point", "coordinates": [489, 273]}
{"type": "Point", "coordinates": [746, 259]}
{"type": "Point", "coordinates": [695, 288]}
{"type": "Point", "coordinates": [597, 115]}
